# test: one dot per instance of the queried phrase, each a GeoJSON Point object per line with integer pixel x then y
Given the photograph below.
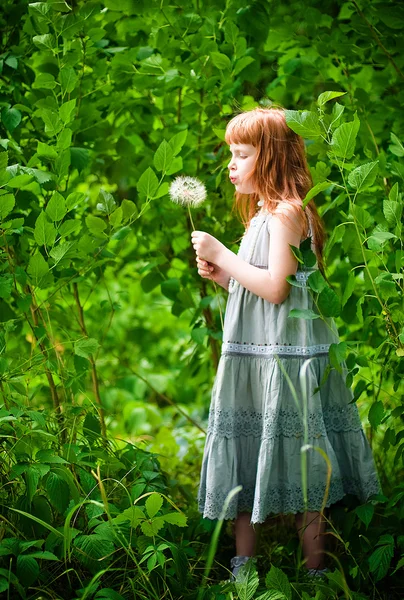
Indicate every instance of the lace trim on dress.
{"type": "Point", "coordinates": [287, 423]}
{"type": "Point", "coordinates": [284, 499]}
{"type": "Point", "coordinates": [272, 349]}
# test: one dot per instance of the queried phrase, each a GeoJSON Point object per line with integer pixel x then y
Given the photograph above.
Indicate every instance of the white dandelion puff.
{"type": "Point", "coordinates": [188, 191]}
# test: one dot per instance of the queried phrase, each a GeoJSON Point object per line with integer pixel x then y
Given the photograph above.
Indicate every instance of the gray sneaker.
{"type": "Point", "coordinates": [236, 563]}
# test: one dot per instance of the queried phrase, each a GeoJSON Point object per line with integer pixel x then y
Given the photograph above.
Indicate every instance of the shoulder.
{"type": "Point", "coordinates": [291, 215]}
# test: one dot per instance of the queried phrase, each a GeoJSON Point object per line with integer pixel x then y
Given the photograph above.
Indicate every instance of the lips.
{"type": "Point", "coordinates": [233, 179]}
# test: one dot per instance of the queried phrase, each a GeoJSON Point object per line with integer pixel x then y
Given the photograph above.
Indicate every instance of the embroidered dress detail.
{"type": "Point", "coordinates": [273, 349]}
{"type": "Point", "coordinates": [267, 412]}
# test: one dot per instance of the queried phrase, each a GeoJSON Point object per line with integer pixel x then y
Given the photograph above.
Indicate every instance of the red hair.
{"type": "Point", "coordinates": [280, 173]}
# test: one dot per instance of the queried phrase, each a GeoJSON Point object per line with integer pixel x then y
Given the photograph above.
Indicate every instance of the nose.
{"type": "Point", "coordinates": [231, 164]}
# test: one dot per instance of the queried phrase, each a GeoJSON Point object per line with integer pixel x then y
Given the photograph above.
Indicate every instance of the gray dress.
{"type": "Point", "coordinates": [270, 399]}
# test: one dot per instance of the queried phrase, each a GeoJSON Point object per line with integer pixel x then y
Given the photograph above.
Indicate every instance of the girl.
{"type": "Point", "coordinates": [256, 430]}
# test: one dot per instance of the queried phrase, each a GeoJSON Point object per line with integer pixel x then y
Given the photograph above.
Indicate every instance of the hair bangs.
{"type": "Point", "coordinates": [244, 128]}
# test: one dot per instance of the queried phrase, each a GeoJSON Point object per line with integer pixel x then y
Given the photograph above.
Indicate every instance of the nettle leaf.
{"type": "Point", "coordinates": [163, 157]}
{"type": "Point", "coordinates": [86, 348]}
{"type": "Point", "coordinates": [148, 183]}
{"type": "Point", "coordinates": [27, 569]}
{"type": "Point", "coordinates": [304, 123]}
{"type": "Point", "coordinates": [11, 118]}
{"type": "Point", "coordinates": [376, 414]}
{"type": "Point", "coordinates": [247, 581]}
{"type": "Point", "coordinates": [277, 580]}
{"type": "Point", "coordinates": [56, 208]}
{"type": "Point", "coordinates": [379, 561]}
{"type": "Point", "coordinates": [93, 551]}
{"type": "Point", "coordinates": [328, 303]}
{"type": "Point", "coordinates": [7, 203]}
{"type": "Point", "coordinates": [37, 268]}
{"type": "Point", "coordinates": [363, 176]}
{"type": "Point", "coordinates": [58, 492]}
{"type": "Point", "coordinates": [153, 504]}
{"type": "Point", "coordinates": [344, 138]}
{"type": "Point", "coordinates": [365, 513]}
{"type": "Point", "coordinates": [327, 96]}
{"type": "Point", "coordinates": [44, 232]}
{"type": "Point", "coordinates": [221, 61]}
{"type": "Point", "coordinates": [177, 141]}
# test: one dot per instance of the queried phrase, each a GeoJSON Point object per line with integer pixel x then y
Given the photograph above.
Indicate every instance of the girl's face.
{"type": "Point", "coordinates": [241, 164]}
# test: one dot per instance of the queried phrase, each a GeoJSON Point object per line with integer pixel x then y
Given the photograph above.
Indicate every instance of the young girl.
{"type": "Point", "coordinates": [256, 430]}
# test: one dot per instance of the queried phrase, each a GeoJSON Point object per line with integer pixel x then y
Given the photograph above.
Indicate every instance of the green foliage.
{"type": "Point", "coordinates": [102, 103]}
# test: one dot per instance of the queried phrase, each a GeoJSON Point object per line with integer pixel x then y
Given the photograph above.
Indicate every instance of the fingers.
{"type": "Point", "coordinates": [204, 268]}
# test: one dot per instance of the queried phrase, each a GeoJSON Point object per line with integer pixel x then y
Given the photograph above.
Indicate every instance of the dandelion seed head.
{"type": "Point", "coordinates": [188, 191]}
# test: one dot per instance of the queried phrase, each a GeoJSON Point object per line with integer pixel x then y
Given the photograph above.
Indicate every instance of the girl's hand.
{"type": "Point", "coordinates": [212, 272]}
{"type": "Point", "coordinates": [206, 246]}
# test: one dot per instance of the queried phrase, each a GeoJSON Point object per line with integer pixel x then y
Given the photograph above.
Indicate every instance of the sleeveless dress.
{"type": "Point", "coordinates": [270, 398]}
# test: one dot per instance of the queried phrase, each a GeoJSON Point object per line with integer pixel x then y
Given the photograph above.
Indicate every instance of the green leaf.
{"type": "Point", "coordinates": [107, 203]}
{"type": "Point", "coordinates": [316, 282]}
{"type": "Point", "coordinates": [221, 61]}
{"type": "Point", "coordinates": [68, 79]}
{"type": "Point", "coordinates": [396, 147]}
{"type": "Point", "coordinates": [198, 334]}
{"type": "Point", "coordinates": [7, 202]}
{"type": "Point", "coordinates": [151, 528]}
{"type": "Point", "coordinates": [151, 281]}
{"type": "Point", "coordinates": [304, 123]}
{"type": "Point", "coordinates": [242, 63]}
{"type": "Point", "coordinates": [304, 313]}
{"type": "Point", "coordinates": [349, 288]}
{"type": "Point", "coordinates": [11, 118]}
{"type": "Point", "coordinates": [148, 183]}
{"type": "Point", "coordinates": [19, 181]}
{"type": "Point", "coordinates": [58, 492]}
{"type": "Point", "coordinates": [115, 218]}
{"type": "Point", "coordinates": [53, 124]}
{"type": "Point", "coordinates": [163, 157]}
{"type": "Point", "coordinates": [37, 268]}
{"type": "Point", "coordinates": [44, 81]}
{"type": "Point", "coordinates": [65, 111]}
{"type": "Point", "coordinates": [46, 41]}
{"type": "Point", "coordinates": [328, 303]}
{"type": "Point", "coordinates": [376, 414]}
{"type": "Point", "coordinates": [365, 512]}
{"type": "Point", "coordinates": [80, 157]}
{"type": "Point", "coordinates": [378, 238]}
{"type": "Point", "coordinates": [277, 580]}
{"type": "Point", "coordinates": [46, 151]}
{"type": "Point", "coordinates": [134, 514]}
{"type": "Point", "coordinates": [96, 225]}
{"type": "Point", "coordinates": [153, 504]}
{"type": "Point", "coordinates": [363, 176]}
{"type": "Point", "coordinates": [380, 559]}
{"type": "Point", "coordinates": [344, 138]}
{"type": "Point", "coordinates": [74, 200]}
{"type": "Point", "coordinates": [129, 209]}
{"type": "Point", "coordinates": [86, 348]}
{"type": "Point", "coordinates": [27, 569]}
{"type": "Point", "coordinates": [68, 227]}
{"type": "Point", "coordinates": [56, 208]}
{"type": "Point", "coordinates": [327, 96]}
{"type": "Point", "coordinates": [247, 581]}
{"type": "Point", "coordinates": [93, 551]}
{"type": "Point", "coordinates": [338, 354]}
{"type": "Point", "coordinates": [64, 139]}
{"type": "Point", "coordinates": [177, 141]}
{"type": "Point", "coordinates": [44, 232]}
{"type": "Point", "coordinates": [170, 288]}
{"type": "Point", "coordinates": [176, 518]}
{"type": "Point", "coordinates": [231, 32]}
{"type": "Point", "coordinates": [392, 209]}
{"type": "Point", "coordinates": [320, 187]}
{"type": "Point", "coordinates": [6, 285]}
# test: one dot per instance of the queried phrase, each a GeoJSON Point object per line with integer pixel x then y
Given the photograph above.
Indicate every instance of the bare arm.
{"type": "Point", "coordinates": [286, 228]}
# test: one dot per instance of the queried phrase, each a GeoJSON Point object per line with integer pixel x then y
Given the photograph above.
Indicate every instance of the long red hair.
{"type": "Point", "coordinates": [280, 173]}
